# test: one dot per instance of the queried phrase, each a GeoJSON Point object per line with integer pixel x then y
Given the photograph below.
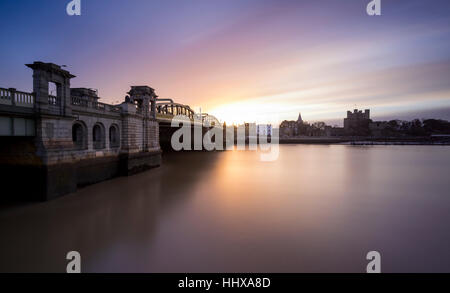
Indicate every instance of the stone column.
{"type": "Point", "coordinates": [40, 89]}
{"type": "Point", "coordinates": [66, 99]}
{"type": "Point", "coordinates": [43, 73]}
{"type": "Point", "coordinates": [129, 128]}
{"type": "Point", "coordinates": [12, 91]}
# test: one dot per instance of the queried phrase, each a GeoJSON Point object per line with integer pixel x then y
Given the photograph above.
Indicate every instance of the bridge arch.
{"type": "Point", "coordinates": [170, 109]}
{"type": "Point", "coordinates": [79, 135]}
{"type": "Point", "coordinates": [114, 136]}
{"type": "Point", "coordinates": [98, 136]}
{"type": "Point", "coordinates": [209, 120]}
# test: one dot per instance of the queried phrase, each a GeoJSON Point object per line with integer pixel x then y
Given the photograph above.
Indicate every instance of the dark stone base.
{"type": "Point", "coordinates": [96, 170]}
{"type": "Point", "coordinates": [60, 180]}
{"type": "Point", "coordinates": [42, 183]}
{"type": "Point", "coordinates": [134, 163]}
{"type": "Point", "coordinates": [36, 183]}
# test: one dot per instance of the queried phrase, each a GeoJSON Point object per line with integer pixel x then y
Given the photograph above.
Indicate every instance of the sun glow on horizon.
{"type": "Point", "coordinates": [247, 61]}
{"type": "Point", "coordinates": [261, 113]}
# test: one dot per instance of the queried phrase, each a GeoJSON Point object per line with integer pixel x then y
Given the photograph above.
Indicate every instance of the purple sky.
{"type": "Point", "coordinates": [253, 60]}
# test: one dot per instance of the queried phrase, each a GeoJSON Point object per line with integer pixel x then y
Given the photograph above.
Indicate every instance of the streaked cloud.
{"type": "Point", "coordinates": [244, 60]}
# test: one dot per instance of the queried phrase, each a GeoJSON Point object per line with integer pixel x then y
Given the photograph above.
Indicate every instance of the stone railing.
{"type": "Point", "coordinates": [85, 103]}
{"type": "Point", "coordinates": [52, 100]}
{"type": "Point", "coordinates": [99, 106]}
{"type": "Point", "coordinates": [16, 98]}
{"type": "Point", "coordinates": [5, 97]}
{"type": "Point", "coordinates": [76, 101]}
{"type": "Point", "coordinates": [105, 107]}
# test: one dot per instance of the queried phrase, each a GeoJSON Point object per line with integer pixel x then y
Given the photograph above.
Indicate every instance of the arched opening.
{"type": "Point", "coordinates": [79, 135]}
{"type": "Point", "coordinates": [114, 138]}
{"type": "Point", "coordinates": [98, 136]}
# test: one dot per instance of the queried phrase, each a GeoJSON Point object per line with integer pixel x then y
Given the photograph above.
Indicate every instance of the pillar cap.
{"type": "Point", "coordinates": [50, 67]}
{"type": "Point", "coordinates": [142, 90]}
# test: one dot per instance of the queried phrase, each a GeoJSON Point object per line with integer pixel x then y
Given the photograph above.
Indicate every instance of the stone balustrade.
{"type": "Point", "coordinates": [87, 104]}
{"type": "Point", "coordinates": [53, 100]}
{"type": "Point", "coordinates": [16, 98]}
{"type": "Point", "coordinates": [77, 101]}
{"type": "Point", "coordinates": [5, 97]}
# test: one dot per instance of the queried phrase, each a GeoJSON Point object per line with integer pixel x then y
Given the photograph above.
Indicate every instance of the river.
{"type": "Point", "coordinates": [317, 208]}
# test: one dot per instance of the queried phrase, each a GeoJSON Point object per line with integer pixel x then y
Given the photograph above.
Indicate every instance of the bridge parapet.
{"type": "Point", "coordinates": [12, 97]}
{"type": "Point", "coordinates": [83, 105]}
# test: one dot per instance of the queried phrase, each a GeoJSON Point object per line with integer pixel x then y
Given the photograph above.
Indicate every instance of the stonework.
{"type": "Point", "coordinates": [79, 140]}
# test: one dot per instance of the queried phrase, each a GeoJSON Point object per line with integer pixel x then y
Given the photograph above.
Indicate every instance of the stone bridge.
{"type": "Point", "coordinates": [58, 140]}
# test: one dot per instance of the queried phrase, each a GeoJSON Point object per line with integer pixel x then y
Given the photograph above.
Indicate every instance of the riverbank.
{"type": "Point", "coordinates": [368, 140]}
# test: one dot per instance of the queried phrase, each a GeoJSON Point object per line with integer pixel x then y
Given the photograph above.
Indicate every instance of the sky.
{"type": "Point", "coordinates": [243, 60]}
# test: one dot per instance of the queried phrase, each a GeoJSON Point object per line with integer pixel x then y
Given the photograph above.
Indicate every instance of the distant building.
{"type": "Point", "coordinates": [379, 128]}
{"type": "Point", "coordinates": [356, 118]}
{"type": "Point", "coordinates": [250, 129]}
{"type": "Point", "coordinates": [378, 125]}
{"type": "Point", "coordinates": [291, 127]}
{"type": "Point", "coordinates": [357, 122]}
{"type": "Point", "coordinates": [299, 119]}
{"type": "Point", "coordinates": [264, 129]}
{"type": "Point", "coordinates": [334, 131]}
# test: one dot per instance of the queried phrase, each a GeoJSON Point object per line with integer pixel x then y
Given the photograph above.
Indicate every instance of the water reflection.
{"type": "Point", "coordinates": [111, 224]}
{"type": "Point", "coordinates": [315, 209]}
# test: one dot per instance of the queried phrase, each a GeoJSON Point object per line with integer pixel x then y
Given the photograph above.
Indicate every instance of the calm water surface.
{"type": "Point", "coordinates": [315, 209]}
